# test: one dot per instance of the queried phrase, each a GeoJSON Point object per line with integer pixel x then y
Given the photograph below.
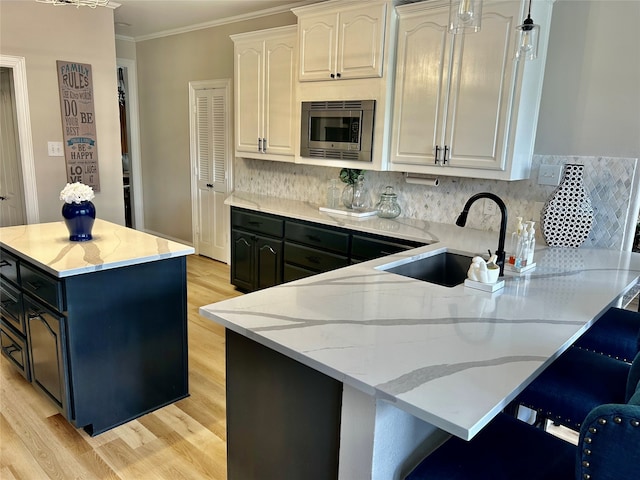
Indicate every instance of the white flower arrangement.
{"type": "Point", "coordinates": [77, 192]}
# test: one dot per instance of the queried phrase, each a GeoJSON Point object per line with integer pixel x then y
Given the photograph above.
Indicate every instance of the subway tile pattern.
{"type": "Point", "coordinates": [609, 182]}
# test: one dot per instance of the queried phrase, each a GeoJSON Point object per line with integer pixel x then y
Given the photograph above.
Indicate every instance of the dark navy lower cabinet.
{"type": "Point", "coordinates": [267, 250]}
{"type": "Point", "coordinates": [104, 347]}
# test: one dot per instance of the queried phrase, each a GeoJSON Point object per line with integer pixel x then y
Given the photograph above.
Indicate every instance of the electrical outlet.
{"type": "Point", "coordinates": [489, 207]}
{"type": "Point", "coordinates": [549, 175]}
{"type": "Point", "coordinates": [55, 149]}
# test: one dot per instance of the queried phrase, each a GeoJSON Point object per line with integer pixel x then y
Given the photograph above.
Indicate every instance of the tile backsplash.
{"type": "Point", "coordinates": [610, 182]}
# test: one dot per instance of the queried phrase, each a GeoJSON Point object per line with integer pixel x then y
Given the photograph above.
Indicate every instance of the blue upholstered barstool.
{"type": "Point", "coordinates": [588, 374]}
{"type": "Point", "coordinates": [508, 449]}
{"type": "Point", "coordinates": [615, 334]}
{"type": "Point", "coordinates": [573, 384]}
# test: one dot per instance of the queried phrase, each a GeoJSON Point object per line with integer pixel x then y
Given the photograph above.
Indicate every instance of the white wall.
{"type": "Point", "coordinates": [43, 34]}
{"type": "Point", "coordinates": [591, 94]}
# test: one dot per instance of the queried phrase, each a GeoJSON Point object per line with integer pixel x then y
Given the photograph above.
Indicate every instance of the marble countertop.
{"type": "Point", "coordinates": [453, 357]}
{"type": "Point", "coordinates": [401, 227]}
{"type": "Point", "coordinates": [47, 245]}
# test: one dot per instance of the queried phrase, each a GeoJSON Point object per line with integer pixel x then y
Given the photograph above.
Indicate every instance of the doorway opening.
{"type": "Point", "coordinates": [18, 160]}
{"type": "Point", "coordinates": [130, 144]}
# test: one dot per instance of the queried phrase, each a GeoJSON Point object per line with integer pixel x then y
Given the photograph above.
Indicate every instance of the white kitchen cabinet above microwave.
{"type": "Point", "coordinates": [341, 40]}
{"type": "Point", "coordinates": [265, 117]}
{"type": "Point", "coordinates": [463, 105]}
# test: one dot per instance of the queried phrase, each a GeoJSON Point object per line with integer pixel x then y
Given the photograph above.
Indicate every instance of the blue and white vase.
{"type": "Point", "coordinates": [79, 218]}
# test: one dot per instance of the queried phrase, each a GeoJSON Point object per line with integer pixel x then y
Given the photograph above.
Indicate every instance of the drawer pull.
{"type": "Point", "coordinates": [8, 302]}
{"type": "Point", "coordinates": [255, 223]}
{"type": "Point", "coordinates": [315, 260]}
{"type": "Point", "coordinates": [4, 263]}
{"type": "Point", "coordinates": [313, 238]}
{"type": "Point", "coordinates": [32, 315]}
{"type": "Point", "coordinates": [35, 285]}
{"type": "Point", "coordinates": [11, 349]}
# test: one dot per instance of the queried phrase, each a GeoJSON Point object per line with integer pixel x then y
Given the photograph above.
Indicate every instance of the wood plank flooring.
{"type": "Point", "coordinates": [185, 440]}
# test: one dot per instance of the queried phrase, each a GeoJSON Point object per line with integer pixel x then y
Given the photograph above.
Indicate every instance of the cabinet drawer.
{"type": "Point", "coordinates": [367, 248]}
{"type": "Point", "coordinates": [292, 272]}
{"type": "Point", "coordinates": [11, 307]}
{"type": "Point", "coordinates": [323, 238]}
{"type": "Point", "coordinates": [313, 259]}
{"type": "Point", "coordinates": [9, 267]}
{"type": "Point", "coordinates": [14, 348]}
{"type": "Point", "coordinates": [258, 223]}
{"type": "Point", "coordinates": [46, 288]}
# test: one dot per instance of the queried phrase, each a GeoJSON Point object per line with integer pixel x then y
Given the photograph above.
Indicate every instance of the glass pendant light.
{"type": "Point", "coordinates": [465, 16]}
{"type": "Point", "coordinates": [528, 38]}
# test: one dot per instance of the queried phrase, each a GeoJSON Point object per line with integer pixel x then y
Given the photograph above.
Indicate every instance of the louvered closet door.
{"type": "Point", "coordinates": [211, 141]}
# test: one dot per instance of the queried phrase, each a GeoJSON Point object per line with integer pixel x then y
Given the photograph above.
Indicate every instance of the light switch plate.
{"type": "Point", "coordinates": [55, 149]}
{"type": "Point", "coordinates": [549, 175]}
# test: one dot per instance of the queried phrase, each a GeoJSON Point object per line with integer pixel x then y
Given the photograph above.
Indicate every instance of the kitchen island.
{"type": "Point", "coordinates": [98, 327]}
{"type": "Point", "coordinates": [385, 367]}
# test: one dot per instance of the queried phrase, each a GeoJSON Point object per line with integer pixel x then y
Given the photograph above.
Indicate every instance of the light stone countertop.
{"type": "Point", "coordinates": [47, 245]}
{"type": "Point", "coordinates": [453, 357]}
{"type": "Point", "coordinates": [400, 227]}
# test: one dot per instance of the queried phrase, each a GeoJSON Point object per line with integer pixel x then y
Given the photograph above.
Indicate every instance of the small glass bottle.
{"type": "Point", "coordinates": [333, 194]}
{"type": "Point", "coordinates": [388, 205]}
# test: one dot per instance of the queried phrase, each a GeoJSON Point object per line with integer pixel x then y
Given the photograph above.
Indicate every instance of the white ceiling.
{"type": "Point", "coordinates": [153, 18]}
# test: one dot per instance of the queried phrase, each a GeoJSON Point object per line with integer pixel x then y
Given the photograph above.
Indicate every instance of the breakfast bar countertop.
{"type": "Point", "coordinates": [451, 356]}
{"type": "Point", "coordinates": [48, 246]}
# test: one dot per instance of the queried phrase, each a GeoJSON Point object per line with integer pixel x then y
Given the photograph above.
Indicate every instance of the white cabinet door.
{"type": "Point", "coordinates": [318, 38]}
{"type": "Point", "coordinates": [463, 105]}
{"type": "Point", "coordinates": [342, 44]}
{"type": "Point", "coordinates": [248, 95]}
{"type": "Point", "coordinates": [279, 126]}
{"type": "Point", "coordinates": [422, 69]}
{"type": "Point", "coordinates": [265, 117]}
{"type": "Point", "coordinates": [361, 42]}
{"type": "Point", "coordinates": [477, 114]}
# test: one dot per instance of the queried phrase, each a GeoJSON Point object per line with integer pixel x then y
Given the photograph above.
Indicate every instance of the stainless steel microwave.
{"type": "Point", "coordinates": [341, 130]}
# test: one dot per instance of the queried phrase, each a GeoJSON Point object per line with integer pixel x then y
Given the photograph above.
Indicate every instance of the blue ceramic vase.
{"type": "Point", "coordinates": [79, 218]}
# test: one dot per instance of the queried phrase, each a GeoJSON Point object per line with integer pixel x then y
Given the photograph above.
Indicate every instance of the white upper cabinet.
{"type": "Point", "coordinates": [463, 105]}
{"type": "Point", "coordinates": [265, 118]}
{"type": "Point", "coordinates": [341, 41]}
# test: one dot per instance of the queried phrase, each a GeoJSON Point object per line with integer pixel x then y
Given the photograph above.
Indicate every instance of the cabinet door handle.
{"type": "Point", "coordinates": [4, 263]}
{"type": "Point", "coordinates": [32, 315]}
{"type": "Point", "coordinates": [209, 185]}
{"type": "Point", "coordinates": [437, 160]}
{"type": "Point", "coordinates": [338, 75]}
{"type": "Point", "coordinates": [264, 145]}
{"type": "Point", "coordinates": [444, 158]}
{"type": "Point", "coordinates": [259, 144]}
{"type": "Point", "coordinates": [332, 76]}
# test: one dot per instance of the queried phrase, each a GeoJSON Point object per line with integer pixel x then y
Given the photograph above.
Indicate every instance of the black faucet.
{"type": "Point", "coordinates": [462, 220]}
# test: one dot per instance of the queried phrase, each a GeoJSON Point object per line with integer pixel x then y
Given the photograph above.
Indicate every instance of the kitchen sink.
{"type": "Point", "coordinates": [446, 268]}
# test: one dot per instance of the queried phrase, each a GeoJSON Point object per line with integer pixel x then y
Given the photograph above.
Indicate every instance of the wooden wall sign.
{"type": "Point", "coordinates": [78, 123]}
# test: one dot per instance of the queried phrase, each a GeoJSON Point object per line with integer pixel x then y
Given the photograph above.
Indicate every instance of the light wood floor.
{"type": "Point", "coordinates": [185, 440]}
